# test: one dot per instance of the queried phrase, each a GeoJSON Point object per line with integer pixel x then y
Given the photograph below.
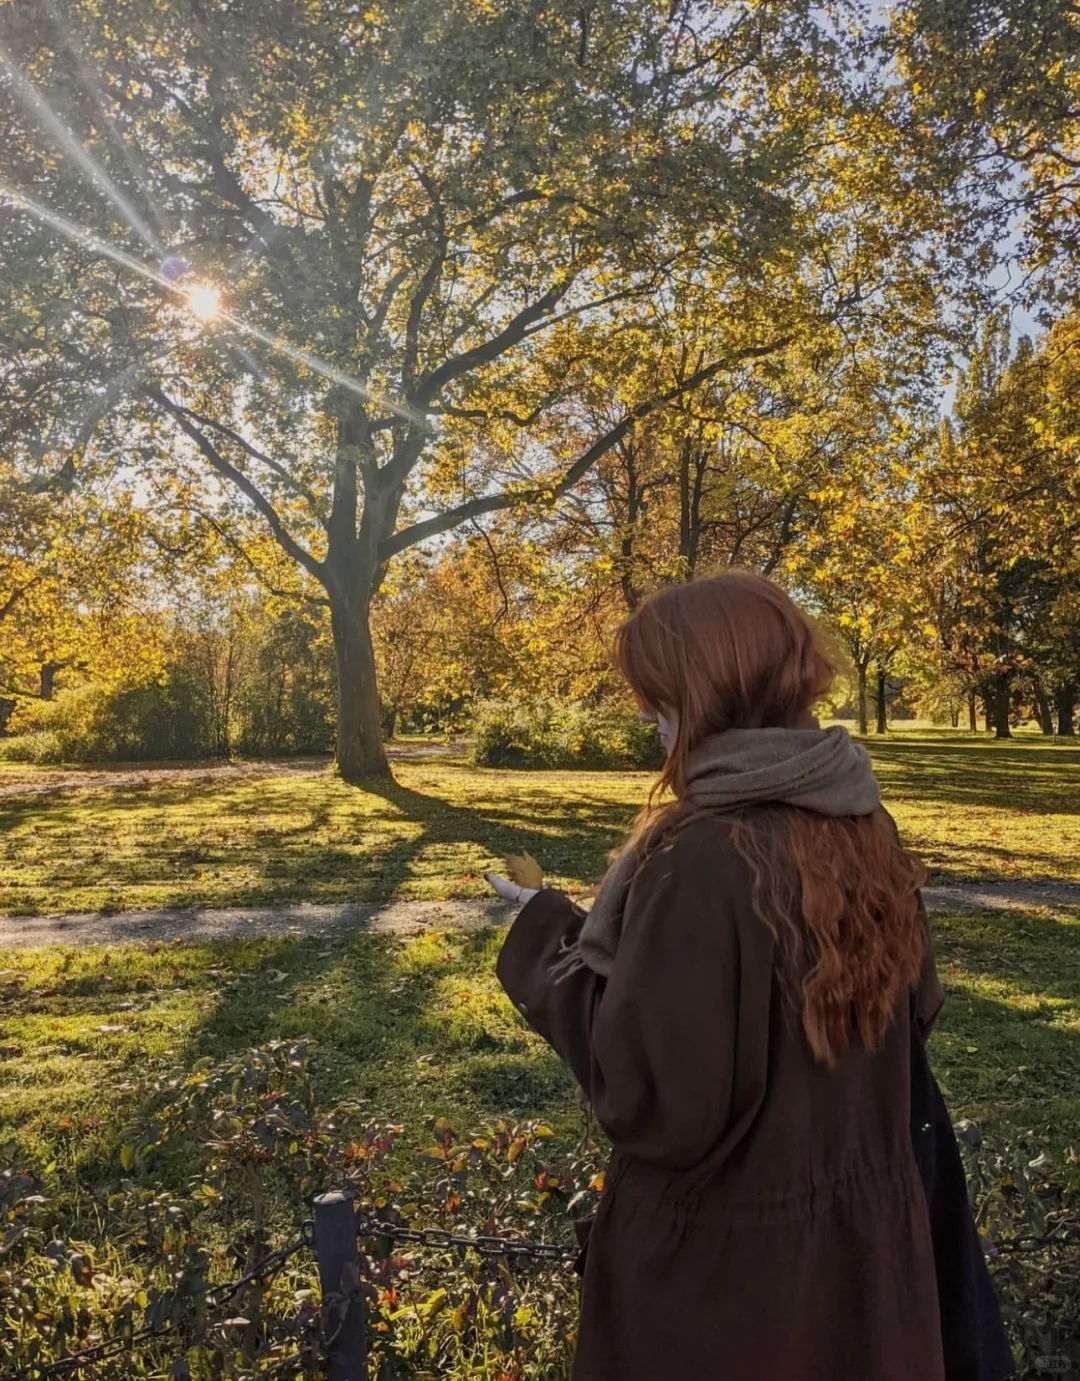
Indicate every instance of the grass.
{"type": "Point", "coordinates": [75, 1025]}
{"type": "Point", "coordinates": [974, 809]}
{"type": "Point", "coordinates": [418, 1028]}
{"type": "Point", "coordinates": [83, 1032]}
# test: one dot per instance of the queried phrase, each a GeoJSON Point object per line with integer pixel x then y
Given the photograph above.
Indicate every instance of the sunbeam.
{"type": "Point", "coordinates": [45, 114]}
{"type": "Point", "coordinates": [92, 84]}
{"type": "Point", "coordinates": [80, 235]}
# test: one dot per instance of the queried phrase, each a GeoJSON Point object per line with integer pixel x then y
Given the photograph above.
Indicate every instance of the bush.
{"type": "Point", "coordinates": [553, 734]}
{"type": "Point", "coordinates": [253, 1145]}
{"type": "Point", "coordinates": [165, 718]}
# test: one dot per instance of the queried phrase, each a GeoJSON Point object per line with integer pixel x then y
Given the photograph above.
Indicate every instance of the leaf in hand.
{"type": "Point", "coordinates": [524, 870]}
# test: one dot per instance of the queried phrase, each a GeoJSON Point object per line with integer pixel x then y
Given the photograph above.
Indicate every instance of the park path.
{"type": "Point", "coordinates": [414, 917]}
{"type": "Point", "coordinates": [49, 781]}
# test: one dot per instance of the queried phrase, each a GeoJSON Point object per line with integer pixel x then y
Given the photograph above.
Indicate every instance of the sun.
{"type": "Point", "coordinates": [204, 301]}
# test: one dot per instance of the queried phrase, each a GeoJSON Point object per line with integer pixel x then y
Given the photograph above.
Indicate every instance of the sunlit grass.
{"type": "Point", "coordinates": [973, 808]}
{"type": "Point", "coordinates": [419, 1028]}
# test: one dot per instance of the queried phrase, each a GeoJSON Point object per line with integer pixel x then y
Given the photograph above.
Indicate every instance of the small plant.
{"type": "Point", "coordinates": [249, 1143]}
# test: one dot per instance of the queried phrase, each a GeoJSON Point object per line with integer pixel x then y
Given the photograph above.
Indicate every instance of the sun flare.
{"type": "Point", "coordinates": [204, 301]}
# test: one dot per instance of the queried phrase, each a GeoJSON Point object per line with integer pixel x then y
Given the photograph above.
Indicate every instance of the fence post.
{"type": "Point", "coordinates": [344, 1318]}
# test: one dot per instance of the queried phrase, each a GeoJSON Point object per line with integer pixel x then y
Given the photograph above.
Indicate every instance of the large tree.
{"type": "Point", "coordinates": [425, 225]}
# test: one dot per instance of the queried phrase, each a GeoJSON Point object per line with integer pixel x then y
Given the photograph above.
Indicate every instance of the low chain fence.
{"type": "Point", "coordinates": [334, 1235]}
{"type": "Point", "coordinates": [425, 1260]}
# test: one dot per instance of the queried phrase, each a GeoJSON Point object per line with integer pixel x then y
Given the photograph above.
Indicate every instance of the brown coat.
{"type": "Point", "coordinates": [763, 1218]}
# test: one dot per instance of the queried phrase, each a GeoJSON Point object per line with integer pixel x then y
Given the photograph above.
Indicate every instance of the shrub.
{"type": "Point", "coordinates": [561, 734]}
{"type": "Point", "coordinates": [255, 1147]}
{"type": "Point", "coordinates": [155, 719]}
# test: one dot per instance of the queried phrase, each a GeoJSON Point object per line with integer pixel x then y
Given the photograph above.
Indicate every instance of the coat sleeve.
{"type": "Point", "coordinates": [672, 1048]}
{"type": "Point", "coordinates": [562, 1010]}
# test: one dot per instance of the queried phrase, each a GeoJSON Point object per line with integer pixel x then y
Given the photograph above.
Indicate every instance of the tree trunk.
{"type": "Point", "coordinates": [954, 717]}
{"type": "Point", "coordinates": [631, 595]}
{"type": "Point", "coordinates": [973, 714]}
{"type": "Point", "coordinates": [864, 722]}
{"type": "Point", "coordinates": [1046, 714]}
{"type": "Point", "coordinates": [360, 752]}
{"type": "Point", "coordinates": [1000, 704]}
{"type": "Point", "coordinates": [1066, 708]}
{"type": "Point", "coordinates": [882, 709]}
{"type": "Point", "coordinates": [48, 679]}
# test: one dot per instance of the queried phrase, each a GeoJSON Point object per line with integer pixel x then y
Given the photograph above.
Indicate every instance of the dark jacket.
{"type": "Point", "coordinates": [763, 1216]}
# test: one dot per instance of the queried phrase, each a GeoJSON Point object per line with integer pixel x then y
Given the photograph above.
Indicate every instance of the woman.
{"type": "Point", "coordinates": [738, 1006]}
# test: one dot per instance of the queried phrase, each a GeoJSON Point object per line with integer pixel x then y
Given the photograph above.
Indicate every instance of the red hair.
{"type": "Point", "coordinates": [840, 894]}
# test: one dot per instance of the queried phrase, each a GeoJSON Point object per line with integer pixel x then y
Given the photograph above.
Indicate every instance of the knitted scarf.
{"type": "Point", "coordinates": [822, 770]}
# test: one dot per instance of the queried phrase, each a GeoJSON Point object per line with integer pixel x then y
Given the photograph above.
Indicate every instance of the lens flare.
{"type": "Point", "coordinates": [174, 268]}
{"type": "Point", "coordinates": [79, 235]}
{"type": "Point", "coordinates": [63, 137]}
{"type": "Point", "coordinates": [204, 301]}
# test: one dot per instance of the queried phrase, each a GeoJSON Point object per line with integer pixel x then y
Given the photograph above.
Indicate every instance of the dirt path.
{"type": "Point", "coordinates": [413, 917]}
{"type": "Point", "coordinates": [47, 781]}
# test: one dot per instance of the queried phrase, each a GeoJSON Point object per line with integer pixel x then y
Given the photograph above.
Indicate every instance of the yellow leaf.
{"type": "Point", "coordinates": [524, 870]}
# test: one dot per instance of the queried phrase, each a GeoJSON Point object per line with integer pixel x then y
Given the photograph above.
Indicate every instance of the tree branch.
{"type": "Point", "coordinates": [237, 477]}
{"type": "Point", "coordinates": [255, 454]}
{"type": "Point", "coordinates": [494, 503]}
{"type": "Point", "coordinates": [15, 596]}
{"type": "Point", "coordinates": [245, 556]}
{"type": "Point", "coordinates": [431, 385]}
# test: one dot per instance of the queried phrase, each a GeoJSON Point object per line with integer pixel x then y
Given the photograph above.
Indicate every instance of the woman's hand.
{"type": "Point", "coordinates": [525, 880]}
{"type": "Point", "coordinates": [525, 871]}
{"type": "Point", "coordinates": [509, 891]}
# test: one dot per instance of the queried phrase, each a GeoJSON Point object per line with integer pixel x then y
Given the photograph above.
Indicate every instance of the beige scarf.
{"type": "Point", "coordinates": [823, 770]}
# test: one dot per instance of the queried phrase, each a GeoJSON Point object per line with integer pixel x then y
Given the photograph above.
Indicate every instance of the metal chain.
{"type": "Point", "coordinates": [265, 1269]}
{"type": "Point", "coordinates": [437, 1238]}
{"type": "Point", "coordinates": [1030, 1242]}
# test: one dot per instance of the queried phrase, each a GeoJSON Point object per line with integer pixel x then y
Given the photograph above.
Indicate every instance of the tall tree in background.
{"type": "Point", "coordinates": [426, 225]}
{"type": "Point", "coordinates": [992, 84]}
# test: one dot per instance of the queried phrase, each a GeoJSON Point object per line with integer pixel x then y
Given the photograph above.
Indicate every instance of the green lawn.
{"type": "Point", "coordinates": [416, 1028]}
{"type": "Point", "coordinates": [973, 809]}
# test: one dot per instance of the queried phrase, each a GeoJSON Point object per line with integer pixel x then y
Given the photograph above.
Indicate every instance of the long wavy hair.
{"type": "Point", "coordinates": [840, 894]}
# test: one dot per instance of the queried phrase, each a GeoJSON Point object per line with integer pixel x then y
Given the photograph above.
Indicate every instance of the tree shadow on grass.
{"type": "Point", "coordinates": [410, 843]}
{"type": "Point", "coordinates": [389, 1029]}
{"type": "Point", "coordinates": [1038, 778]}
{"type": "Point", "coordinates": [1008, 1045]}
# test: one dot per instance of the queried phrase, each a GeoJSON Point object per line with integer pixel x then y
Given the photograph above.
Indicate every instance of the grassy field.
{"type": "Point", "coordinates": [80, 1030]}
{"type": "Point", "coordinates": [416, 1028]}
{"type": "Point", "coordinates": [974, 809]}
